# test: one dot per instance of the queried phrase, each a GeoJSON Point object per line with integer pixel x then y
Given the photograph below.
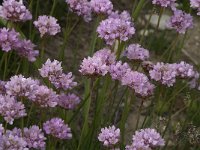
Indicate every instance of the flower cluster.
{"type": "Point", "coordinates": [101, 6]}
{"type": "Point", "coordinates": [116, 27]}
{"type": "Point", "coordinates": [20, 86]}
{"type": "Point", "coordinates": [68, 101]}
{"type": "Point", "coordinates": [34, 137]}
{"type": "Point", "coordinates": [109, 136]}
{"type": "Point", "coordinates": [25, 48]}
{"type": "Point", "coordinates": [139, 82]}
{"type": "Point", "coordinates": [180, 21]}
{"type": "Point", "coordinates": [146, 139]}
{"type": "Point", "coordinates": [98, 64]}
{"type": "Point", "coordinates": [167, 73]}
{"type": "Point", "coordinates": [54, 72]}
{"type": "Point", "coordinates": [13, 140]}
{"type": "Point", "coordinates": [164, 3]}
{"type": "Point", "coordinates": [10, 40]}
{"type": "Point", "coordinates": [136, 52]}
{"type": "Point", "coordinates": [57, 128]}
{"type": "Point", "coordinates": [195, 4]}
{"type": "Point", "coordinates": [44, 97]}
{"type": "Point", "coordinates": [118, 70]}
{"type": "Point", "coordinates": [47, 25]}
{"type": "Point", "coordinates": [14, 10]}
{"type": "Point", "coordinates": [81, 8]}
{"type": "Point", "coordinates": [10, 109]}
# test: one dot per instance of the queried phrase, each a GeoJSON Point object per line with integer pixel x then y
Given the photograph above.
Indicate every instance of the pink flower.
{"type": "Point", "coordinates": [47, 25]}
{"type": "Point", "coordinates": [14, 10]}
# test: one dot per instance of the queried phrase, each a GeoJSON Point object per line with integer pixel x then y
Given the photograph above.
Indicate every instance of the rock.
{"type": "Point", "coordinates": [191, 47]}
{"type": "Point", "coordinates": [154, 21]}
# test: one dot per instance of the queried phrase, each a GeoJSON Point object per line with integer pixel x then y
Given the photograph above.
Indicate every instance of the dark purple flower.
{"type": "Point", "coordinates": [180, 21]}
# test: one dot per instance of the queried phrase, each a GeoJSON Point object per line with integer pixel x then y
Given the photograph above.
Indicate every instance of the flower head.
{"type": "Point", "coordinates": [118, 70]}
{"type": "Point", "coordinates": [185, 70]}
{"type": "Point", "coordinates": [139, 82]}
{"type": "Point", "coordinates": [20, 86]}
{"type": "Point", "coordinates": [116, 27]}
{"type": "Point", "coordinates": [14, 10]}
{"type": "Point", "coordinates": [68, 101]}
{"type": "Point", "coordinates": [10, 109]}
{"type": "Point", "coordinates": [195, 4]}
{"type": "Point", "coordinates": [44, 97]}
{"type": "Point", "coordinates": [34, 137]}
{"type": "Point", "coordinates": [164, 3]}
{"type": "Point", "coordinates": [81, 8]}
{"type": "Point", "coordinates": [136, 52]}
{"type": "Point", "coordinates": [64, 81]}
{"type": "Point", "coordinates": [146, 139]}
{"type": "Point", "coordinates": [180, 21]}
{"type": "Point", "coordinates": [106, 56]}
{"type": "Point", "coordinates": [57, 128]}
{"type": "Point", "coordinates": [109, 136]}
{"type": "Point", "coordinates": [13, 140]}
{"type": "Point", "coordinates": [164, 73]}
{"type": "Point", "coordinates": [101, 6]}
{"type": "Point", "coordinates": [53, 70]}
{"type": "Point", "coordinates": [25, 48]}
{"type": "Point", "coordinates": [47, 25]}
{"type": "Point", "coordinates": [8, 39]}
{"type": "Point", "coordinates": [98, 64]}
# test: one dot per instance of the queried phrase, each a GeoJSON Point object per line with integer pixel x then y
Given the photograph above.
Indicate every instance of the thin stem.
{"type": "Point", "coordinates": [143, 35]}
{"type": "Point", "coordinates": [139, 7]}
{"type": "Point", "coordinates": [5, 66]}
{"type": "Point", "coordinates": [86, 117]}
{"type": "Point", "coordinates": [29, 114]}
{"type": "Point", "coordinates": [42, 48]}
{"type": "Point", "coordinates": [53, 7]}
{"type": "Point", "coordinates": [139, 114]}
{"type": "Point", "coordinates": [170, 47]}
{"type": "Point", "coordinates": [124, 118]}
{"type": "Point", "coordinates": [67, 32]}
{"type": "Point", "coordinates": [94, 35]}
{"type": "Point", "coordinates": [120, 49]}
{"type": "Point", "coordinates": [159, 18]}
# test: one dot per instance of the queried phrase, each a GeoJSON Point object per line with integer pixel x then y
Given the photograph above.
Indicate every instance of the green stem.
{"type": "Point", "coordinates": [29, 114]}
{"type": "Point", "coordinates": [5, 66]}
{"type": "Point", "coordinates": [159, 18]}
{"type": "Point", "coordinates": [100, 103]}
{"type": "Point", "coordinates": [53, 7]}
{"type": "Point", "coordinates": [67, 32]}
{"type": "Point", "coordinates": [94, 35]}
{"type": "Point", "coordinates": [124, 118]}
{"type": "Point", "coordinates": [42, 49]}
{"type": "Point", "coordinates": [170, 47]}
{"type": "Point", "coordinates": [86, 117]}
{"type": "Point", "coordinates": [139, 7]}
{"type": "Point", "coordinates": [139, 114]}
{"type": "Point", "coordinates": [172, 97]}
{"type": "Point", "coordinates": [120, 49]}
{"type": "Point", "coordinates": [143, 35]}
{"type": "Point", "coordinates": [118, 104]}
